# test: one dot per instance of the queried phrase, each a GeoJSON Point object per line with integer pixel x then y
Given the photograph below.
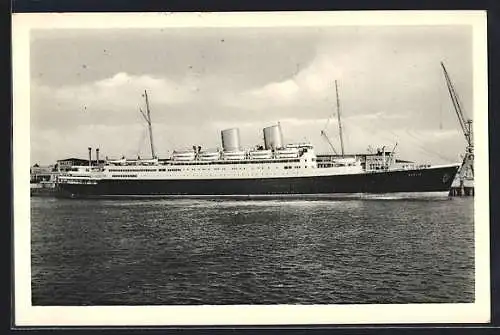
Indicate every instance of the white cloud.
{"type": "Point", "coordinates": [121, 90]}
{"type": "Point", "coordinates": [110, 101]}
{"type": "Point", "coordinates": [284, 91]}
{"type": "Point", "coordinates": [312, 83]}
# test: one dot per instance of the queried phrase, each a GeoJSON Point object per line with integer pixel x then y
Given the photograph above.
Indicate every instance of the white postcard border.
{"type": "Point", "coordinates": [28, 315]}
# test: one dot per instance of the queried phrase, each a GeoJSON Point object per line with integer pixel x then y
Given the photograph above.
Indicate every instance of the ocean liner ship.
{"type": "Point", "coordinates": [272, 168]}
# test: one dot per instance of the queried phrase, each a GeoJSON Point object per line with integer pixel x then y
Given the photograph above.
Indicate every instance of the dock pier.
{"type": "Point", "coordinates": [462, 192]}
{"type": "Point", "coordinates": [462, 188]}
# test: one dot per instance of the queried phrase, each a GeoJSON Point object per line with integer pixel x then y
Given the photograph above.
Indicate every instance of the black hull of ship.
{"type": "Point", "coordinates": [437, 179]}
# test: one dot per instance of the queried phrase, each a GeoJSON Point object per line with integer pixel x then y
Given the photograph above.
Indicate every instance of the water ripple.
{"type": "Point", "coordinates": [192, 251]}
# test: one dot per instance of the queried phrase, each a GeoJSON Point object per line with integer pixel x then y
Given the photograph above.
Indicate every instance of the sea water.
{"type": "Point", "coordinates": [274, 251]}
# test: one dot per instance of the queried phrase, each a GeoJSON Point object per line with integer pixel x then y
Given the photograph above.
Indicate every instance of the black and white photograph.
{"type": "Point", "coordinates": [251, 168]}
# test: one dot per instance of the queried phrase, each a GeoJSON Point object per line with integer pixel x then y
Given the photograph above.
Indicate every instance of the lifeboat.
{"type": "Point", "coordinates": [287, 153]}
{"type": "Point", "coordinates": [183, 155]}
{"type": "Point", "coordinates": [233, 155]}
{"type": "Point", "coordinates": [209, 155]}
{"type": "Point", "coordinates": [117, 161]}
{"type": "Point", "coordinates": [261, 154]}
{"type": "Point", "coordinates": [153, 161]}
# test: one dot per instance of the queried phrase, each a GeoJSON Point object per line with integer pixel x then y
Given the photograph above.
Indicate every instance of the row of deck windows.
{"type": "Point", "coordinates": [235, 168]}
{"type": "Point", "coordinates": [134, 170]}
{"type": "Point", "coordinates": [195, 168]}
{"type": "Point", "coordinates": [287, 167]}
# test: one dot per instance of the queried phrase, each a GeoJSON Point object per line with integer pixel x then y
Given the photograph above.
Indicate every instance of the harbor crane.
{"type": "Point", "coordinates": [467, 169]}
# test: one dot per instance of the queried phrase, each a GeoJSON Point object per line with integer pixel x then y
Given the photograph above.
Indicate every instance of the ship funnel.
{"type": "Point", "coordinates": [90, 156]}
{"type": "Point", "coordinates": [97, 156]}
{"type": "Point", "coordinates": [231, 139]}
{"type": "Point", "coordinates": [273, 139]}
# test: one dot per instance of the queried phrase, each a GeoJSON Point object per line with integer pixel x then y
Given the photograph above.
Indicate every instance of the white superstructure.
{"type": "Point", "coordinates": [291, 160]}
{"type": "Point", "coordinates": [302, 166]}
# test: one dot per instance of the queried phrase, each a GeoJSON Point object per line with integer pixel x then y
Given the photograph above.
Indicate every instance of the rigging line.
{"type": "Point", "coordinates": [330, 116]}
{"type": "Point", "coordinates": [142, 139]}
{"type": "Point", "coordinates": [417, 146]}
{"type": "Point", "coordinates": [415, 141]}
{"type": "Point", "coordinates": [426, 149]}
{"type": "Point", "coordinates": [446, 159]}
{"type": "Point", "coordinates": [372, 131]}
{"type": "Point", "coordinates": [327, 123]}
{"type": "Point", "coordinates": [328, 120]}
{"type": "Point", "coordinates": [395, 137]}
{"type": "Point", "coordinates": [325, 135]}
{"type": "Point", "coordinates": [421, 150]}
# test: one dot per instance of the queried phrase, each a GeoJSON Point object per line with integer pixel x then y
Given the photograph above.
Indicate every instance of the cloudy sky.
{"type": "Point", "coordinates": [86, 88]}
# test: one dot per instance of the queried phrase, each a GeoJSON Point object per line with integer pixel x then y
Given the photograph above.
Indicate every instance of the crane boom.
{"type": "Point", "coordinates": [464, 123]}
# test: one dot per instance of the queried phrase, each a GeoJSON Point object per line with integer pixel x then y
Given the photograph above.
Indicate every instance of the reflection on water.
{"type": "Point", "coordinates": [234, 251]}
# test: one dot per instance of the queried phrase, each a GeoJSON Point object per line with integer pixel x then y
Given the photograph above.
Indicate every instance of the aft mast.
{"type": "Point", "coordinates": [147, 117]}
{"type": "Point", "coordinates": [338, 117]}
